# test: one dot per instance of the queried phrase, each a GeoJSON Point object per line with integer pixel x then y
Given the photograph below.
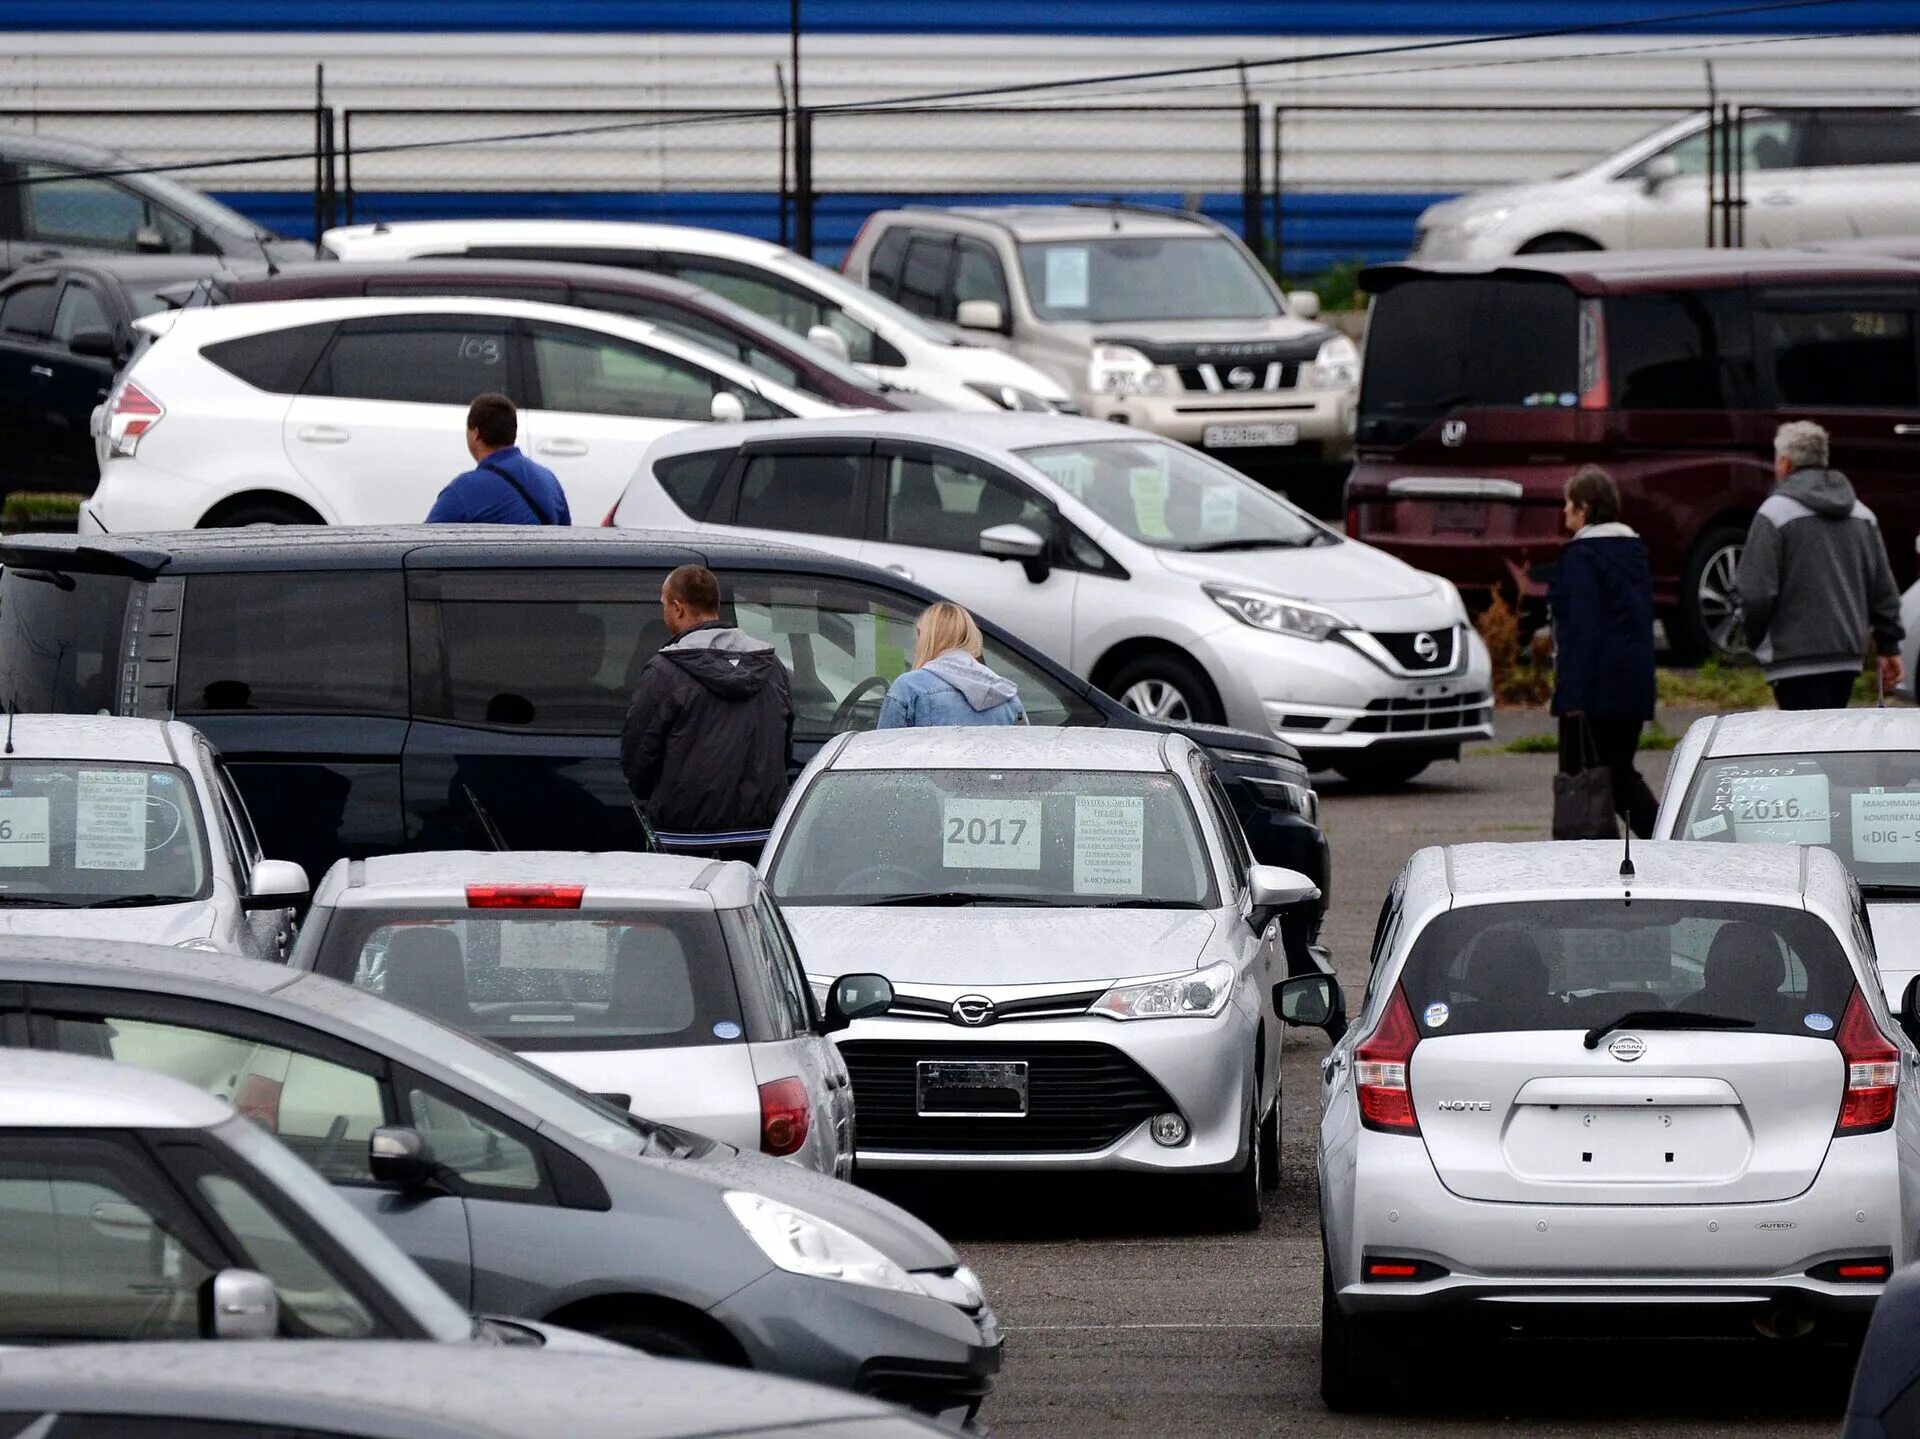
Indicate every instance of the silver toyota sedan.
{"type": "Point", "coordinates": [1087, 969]}
{"type": "Point", "coordinates": [1671, 1094]}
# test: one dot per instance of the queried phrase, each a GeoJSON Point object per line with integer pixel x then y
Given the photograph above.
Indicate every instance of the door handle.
{"type": "Point", "coordinates": [565, 449]}
{"type": "Point", "coordinates": [43, 371]}
{"type": "Point", "coordinates": [323, 435]}
{"type": "Point", "coordinates": [1906, 429]}
{"type": "Point", "coordinates": [900, 570]}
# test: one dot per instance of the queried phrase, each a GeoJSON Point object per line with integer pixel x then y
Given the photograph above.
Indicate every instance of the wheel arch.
{"type": "Point", "coordinates": [599, 1311]}
{"type": "Point", "coordinates": [278, 499]}
{"type": "Point", "coordinates": [1559, 242]}
{"type": "Point", "coordinates": [1139, 647]}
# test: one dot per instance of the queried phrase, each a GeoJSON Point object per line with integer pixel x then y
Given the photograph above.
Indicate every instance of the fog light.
{"type": "Point", "coordinates": [1168, 1130]}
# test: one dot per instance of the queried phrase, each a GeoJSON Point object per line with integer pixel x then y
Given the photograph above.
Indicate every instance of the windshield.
{"type": "Point", "coordinates": [75, 833]}
{"type": "Point", "coordinates": [545, 979]}
{"type": "Point", "coordinates": [1171, 498]}
{"type": "Point", "coordinates": [1578, 964]}
{"type": "Point", "coordinates": [845, 292]}
{"type": "Point", "coordinates": [1202, 277]}
{"type": "Point", "coordinates": [60, 636]}
{"type": "Point", "coordinates": [1016, 836]}
{"type": "Point", "coordinates": [1864, 806]}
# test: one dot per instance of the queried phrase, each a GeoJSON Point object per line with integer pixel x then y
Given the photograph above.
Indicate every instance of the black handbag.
{"type": "Point", "coordinates": [1583, 802]}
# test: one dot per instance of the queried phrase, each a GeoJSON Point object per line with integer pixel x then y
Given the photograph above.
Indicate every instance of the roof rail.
{"type": "Point", "coordinates": [1135, 207]}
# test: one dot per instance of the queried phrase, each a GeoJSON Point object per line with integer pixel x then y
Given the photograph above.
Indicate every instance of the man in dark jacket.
{"type": "Point", "coordinates": [1814, 580]}
{"type": "Point", "coordinates": [504, 487]}
{"type": "Point", "coordinates": [708, 740]}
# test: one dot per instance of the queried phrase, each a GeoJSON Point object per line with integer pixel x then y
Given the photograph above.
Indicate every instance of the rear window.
{"type": "Point", "coordinates": [1435, 346]}
{"type": "Point", "coordinates": [545, 979]}
{"type": "Point", "coordinates": [303, 643]}
{"type": "Point", "coordinates": [1578, 964]}
{"type": "Point", "coordinates": [60, 636]}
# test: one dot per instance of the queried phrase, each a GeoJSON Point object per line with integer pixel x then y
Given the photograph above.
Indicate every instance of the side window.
{"type": "Point", "coordinates": [1385, 931]}
{"type": "Point", "coordinates": [1224, 824]}
{"type": "Point", "coordinates": [276, 643]}
{"type": "Point", "coordinates": [937, 504]}
{"type": "Point", "coordinates": [806, 494]}
{"type": "Point", "coordinates": [1866, 138]}
{"type": "Point", "coordinates": [692, 326]}
{"type": "Point", "coordinates": [313, 1296]}
{"type": "Point", "coordinates": [481, 1153]}
{"type": "Point", "coordinates": [772, 975]}
{"type": "Point", "coordinates": [692, 481]}
{"type": "Point", "coordinates": [883, 265]}
{"type": "Point", "coordinates": [278, 362]}
{"type": "Point", "coordinates": [923, 274]}
{"type": "Point", "coordinates": [432, 360]}
{"type": "Point", "coordinates": [1229, 825]}
{"type": "Point", "coordinates": [1684, 351]}
{"type": "Point", "coordinates": [788, 306]}
{"type": "Point", "coordinates": [80, 311]}
{"type": "Point", "coordinates": [61, 207]}
{"type": "Point", "coordinates": [789, 975]}
{"type": "Point", "coordinates": [28, 309]}
{"type": "Point", "coordinates": [180, 236]}
{"type": "Point", "coordinates": [590, 374]}
{"type": "Point", "coordinates": [1847, 356]}
{"type": "Point", "coordinates": [241, 817]}
{"type": "Point", "coordinates": [977, 274]}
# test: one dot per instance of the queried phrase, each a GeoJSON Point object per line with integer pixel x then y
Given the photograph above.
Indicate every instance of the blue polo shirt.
{"type": "Point", "coordinates": [485, 495]}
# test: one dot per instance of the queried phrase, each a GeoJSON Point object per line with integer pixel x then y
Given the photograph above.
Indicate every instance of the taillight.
{"type": "Point", "coordinates": [1867, 1269]}
{"type": "Point", "coordinates": [1401, 1271]}
{"type": "Point", "coordinates": [1593, 356]}
{"type": "Point", "coordinates": [258, 1098]}
{"type": "Point", "coordinates": [1353, 522]}
{"type": "Point", "coordinates": [607, 523]}
{"type": "Point", "coordinates": [524, 896]}
{"type": "Point", "coordinates": [134, 412]}
{"type": "Point", "coordinates": [784, 1116]}
{"type": "Point", "coordinates": [1380, 1070]}
{"type": "Point", "coordinates": [1873, 1071]}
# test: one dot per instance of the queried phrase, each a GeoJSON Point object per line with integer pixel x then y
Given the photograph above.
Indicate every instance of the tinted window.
{"type": "Point", "coordinates": [597, 375]}
{"type": "Point", "coordinates": [977, 275]}
{"type": "Point", "coordinates": [1867, 138]}
{"type": "Point", "coordinates": [60, 638]}
{"type": "Point", "coordinates": [1845, 357]}
{"type": "Point", "coordinates": [1686, 351]}
{"type": "Point", "coordinates": [29, 309]}
{"type": "Point", "coordinates": [485, 289]}
{"type": "Point", "coordinates": [923, 278]}
{"type": "Point", "coordinates": [277, 362]}
{"type": "Point", "coordinates": [804, 494]}
{"type": "Point", "coordinates": [303, 643]}
{"type": "Point", "coordinates": [692, 480]}
{"type": "Point", "coordinates": [883, 265]}
{"type": "Point", "coordinates": [79, 312]}
{"type": "Point", "coordinates": [1577, 963]}
{"type": "Point", "coordinates": [941, 506]}
{"type": "Point", "coordinates": [424, 362]}
{"type": "Point", "coordinates": [57, 205]}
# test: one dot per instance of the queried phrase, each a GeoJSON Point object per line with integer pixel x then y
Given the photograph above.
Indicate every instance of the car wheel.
{"type": "Point", "coordinates": [1353, 1371]}
{"type": "Point", "coordinates": [1382, 771]}
{"type": "Point", "coordinates": [1235, 1206]}
{"type": "Point", "coordinates": [1167, 688]}
{"type": "Point", "coordinates": [664, 1341]}
{"type": "Point", "coordinates": [1270, 1148]}
{"type": "Point", "coordinates": [260, 512]}
{"type": "Point", "coordinates": [1558, 245]}
{"type": "Point", "coordinates": [1709, 617]}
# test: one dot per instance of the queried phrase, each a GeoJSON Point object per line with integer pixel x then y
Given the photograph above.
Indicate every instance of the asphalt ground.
{"type": "Point", "coordinates": [1122, 1319]}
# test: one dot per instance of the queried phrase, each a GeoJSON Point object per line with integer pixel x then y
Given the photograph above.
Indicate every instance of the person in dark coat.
{"type": "Point", "coordinates": [504, 487]}
{"type": "Point", "coordinates": [708, 741]}
{"type": "Point", "coordinates": [1602, 600]}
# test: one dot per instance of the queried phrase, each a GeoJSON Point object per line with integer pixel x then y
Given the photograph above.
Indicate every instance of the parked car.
{"type": "Point", "coordinates": [1488, 384]}
{"type": "Point", "coordinates": [1082, 907]}
{"type": "Point", "coordinates": [120, 828]}
{"type": "Point", "coordinates": [522, 1195]}
{"type": "Point", "coordinates": [353, 412]}
{"type": "Point", "coordinates": [1155, 318]}
{"type": "Point", "coordinates": [1668, 1092]}
{"type": "Point", "coordinates": [1884, 1397]}
{"type": "Point", "coordinates": [140, 1207]}
{"type": "Point", "coordinates": [479, 693]}
{"type": "Point", "coordinates": [828, 310]}
{"type": "Point", "coordinates": [66, 327]}
{"type": "Point", "coordinates": [665, 985]}
{"type": "Point", "coordinates": [67, 200]}
{"type": "Point", "coordinates": [1806, 174]}
{"type": "Point", "coordinates": [1847, 780]}
{"type": "Point", "coordinates": [1167, 579]}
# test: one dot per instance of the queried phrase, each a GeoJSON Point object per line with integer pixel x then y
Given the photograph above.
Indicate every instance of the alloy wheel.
{"type": "Point", "coordinates": [1717, 600]}
{"type": "Point", "coordinates": [1157, 700]}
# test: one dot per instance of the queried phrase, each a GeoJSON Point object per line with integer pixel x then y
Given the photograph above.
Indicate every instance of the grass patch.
{"type": "Point", "coordinates": [25, 507]}
{"type": "Point", "coordinates": [1655, 736]}
{"type": "Point", "coordinates": [1717, 685]}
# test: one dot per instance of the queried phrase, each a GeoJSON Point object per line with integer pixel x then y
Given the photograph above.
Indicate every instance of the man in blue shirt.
{"type": "Point", "coordinates": [504, 487]}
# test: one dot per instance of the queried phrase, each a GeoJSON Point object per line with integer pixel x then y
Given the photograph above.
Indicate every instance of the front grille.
{"type": "Point", "coordinates": [1080, 1097]}
{"type": "Point", "coordinates": [1041, 1006]}
{"type": "Point", "coordinates": [1421, 714]}
{"type": "Point", "coordinates": [1240, 377]}
{"type": "Point", "coordinates": [1403, 648]}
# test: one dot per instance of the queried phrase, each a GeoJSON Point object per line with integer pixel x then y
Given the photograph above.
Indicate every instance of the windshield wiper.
{"type": "Point", "coordinates": [131, 901]}
{"type": "Point", "coordinates": [1663, 1019]}
{"type": "Point", "coordinates": [1269, 542]}
{"type": "Point", "coordinates": [951, 897]}
{"type": "Point", "coordinates": [32, 901]}
{"type": "Point", "coordinates": [1890, 887]}
{"type": "Point", "coordinates": [1141, 904]}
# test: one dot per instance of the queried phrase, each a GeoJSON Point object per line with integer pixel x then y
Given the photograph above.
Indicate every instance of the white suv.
{"type": "Point", "coordinates": [350, 412]}
{"type": "Point", "coordinates": [1177, 585]}
{"type": "Point", "coordinates": [836, 315]}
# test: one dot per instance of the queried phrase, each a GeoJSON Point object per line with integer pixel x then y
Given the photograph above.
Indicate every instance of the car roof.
{"type": "Point", "coordinates": [135, 269]}
{"type": "Point", "coordinates": [963, 430]}
{"type": "Point", "coordinates": [1782, 732]}
{"type": "Point", "coordinates": [98, 737]}
{"type": "Point", "coordinates": [424, 269]}
{"type": "Point", "coordinates": [254, 317]}
{"type": "Point", "coordinates": [436, 1391]}
{"type": "Point", "coordinates": [612, 879]}
{"type": "Point", "coordinates": [1605, 271]}
{"type": "Point", "coordinates": [43, 1089]}
{"type": "Point", "coordinates": [400, 237]}
{"type": "Point", "coordinates": [17, 144]}
{"type": "Point", "coordinates": [1006, 747]}
{"type": "Point", "coordinates": [1073, 222]}
{"type": "Point", "coordinates": [1775, 873]}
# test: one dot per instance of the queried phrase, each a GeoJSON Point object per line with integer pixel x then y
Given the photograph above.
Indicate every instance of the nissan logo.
{"type": "Point", "coordinates": [1240, 377]}
{"type": "Point", "coordinates": [973, 1010]}
{"type": "Point", "coordinates": [1627, 1048]}
{"type": "Point", "coordinates": [1427, 647]}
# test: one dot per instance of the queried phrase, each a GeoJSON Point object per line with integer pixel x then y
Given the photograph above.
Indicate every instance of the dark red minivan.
{"type": "Point", "coordinates": [1485, 385]}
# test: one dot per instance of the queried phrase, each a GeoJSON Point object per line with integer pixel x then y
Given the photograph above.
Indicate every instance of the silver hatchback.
{"type": "Point", "coordinates": [1669, 1092]}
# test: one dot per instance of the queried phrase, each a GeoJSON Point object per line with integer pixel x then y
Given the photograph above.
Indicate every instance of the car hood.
{"type": "Point", "coordinates": [1324, 574]}
{"type": "Point", "coordinates": [989, 946]}
{"type": "Point", "coordinates": [150, 924]}
{"type": "Point", "coordinates": [1500, 197]}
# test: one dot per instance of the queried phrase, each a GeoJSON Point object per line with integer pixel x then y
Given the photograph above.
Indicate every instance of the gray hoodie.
{"type": "Point", "coordinates": [1814, 580]}
{"type": "Point", "coordinates": [951, 689]}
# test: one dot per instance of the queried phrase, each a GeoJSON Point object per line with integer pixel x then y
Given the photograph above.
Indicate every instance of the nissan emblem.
{"type": "Point", "coordinates": [1627, 1048]}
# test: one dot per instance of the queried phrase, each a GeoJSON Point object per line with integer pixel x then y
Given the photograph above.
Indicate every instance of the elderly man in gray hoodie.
{"type": "Point", "coordinates": [1814, 580]}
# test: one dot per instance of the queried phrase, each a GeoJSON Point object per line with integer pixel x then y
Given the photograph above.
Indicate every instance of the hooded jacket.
{"type": "Point", "coordinates": [1602, 601]}
{"type": "Point", "coordinates": [707, 746]}
{"type": "Point", "coordinates": [1814, 579]}
{"type": "Point", "coordinates": [951, 689]}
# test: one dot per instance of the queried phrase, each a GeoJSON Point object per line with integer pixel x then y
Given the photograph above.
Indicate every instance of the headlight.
{"type": "Point", "coordinates": [1123, 370]}
{"type": "Point", "coordinates": [1450, 592]}
{"type": "Point", "coordinates": [1010, 397]}
{"type": "Point", "coordinates": [1278, 613]}
{"type": "Point", "coordinates": [1482, 221]}
{"type": "Point", "coordinates": [205, 946]}
{"type": "Point", "coordinates": [803, 1243]}
{"type": "Point", "coordinates": [1199, 995]}
{"type": "Point", "coordinates": [1336, 367]}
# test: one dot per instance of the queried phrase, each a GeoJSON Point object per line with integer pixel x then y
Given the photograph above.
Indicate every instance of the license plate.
{"type": "Point", "coordinates": [972, 1089]}
{"type": "Point", "coordinates": [1228, 437]}
{"type": "Point", "coordinates": [1461, 516]}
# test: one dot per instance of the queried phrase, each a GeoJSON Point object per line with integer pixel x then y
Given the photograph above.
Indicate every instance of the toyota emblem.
{"type": "Point", "coordinates": [1240, 377]}
{"type": "Point", "coordinates": [1427, 647]}
{"type": "Point", "coordinates": [973, 1010]}
{"type": "Point", "coordinates": [1453, 433]}
{"type": "Point", "coordinates": [1627, 1048]}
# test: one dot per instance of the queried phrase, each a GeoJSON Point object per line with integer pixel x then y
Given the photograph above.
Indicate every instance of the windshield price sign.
{"type": "Point", "coordinates": [990, 834]}
{"type": "Point", "coordinates": [23, 833]}
{"type": "Point", "coordinates": [1781, 809]}
{"type": "Point", "coordinates": [110, 820]}
{"type": "Point", "coordinates": [1109, 839]}
{"type": "Point", "coordinates": [1886, 828]}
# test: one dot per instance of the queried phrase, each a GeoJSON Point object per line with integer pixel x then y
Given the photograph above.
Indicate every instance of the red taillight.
{"type": "Point", "coordinates": [524, 896]}
{"type": "Point", "coordinates": [1353, 522]}
{"type": "Point", "coordinates": [134, 413]}
{"type": "Point", "coordinates": [1862, 1271]}
{"type": "Point", "coordinates": [1873, 1071]}
{"type": "Point", "coordinates": [1380, 1070]}
{"type": "Point", "coordinates": [1392, 1271]}
{"type": "Point", "coordinates": [258, 1098]}
{"type": "Point", "coordinates": [784, 1116]}
{"type": "Point", "coordinates": [1593, 356]}
{"type": "Point", "coordinates": [607, 523]}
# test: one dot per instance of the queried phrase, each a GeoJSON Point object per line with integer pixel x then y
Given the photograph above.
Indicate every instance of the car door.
{"type": "Point", "coordinates": [69, 385]}
{"type": "Point", "coordinates": [380, 426]}
{"type": "Point", "coordinates": [1863, 175]}
{"type": "Point", "coordinates": [26, 329]}
{"type": "Point", "coordinates": [800, 491]}
{"type": "Point", "coordinates": [792, 1046]}
{"type": "Point", "coordinates": [934, 504]}
{"type": "Point", "coordinates": [1672, 213]}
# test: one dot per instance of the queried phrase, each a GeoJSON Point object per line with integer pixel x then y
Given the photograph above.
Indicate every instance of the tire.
{"type": "Point", "coordinates": [1234, 1203]}
{"type": "Point", "coordinates": [665, 1341]}
{"type": "Point", "coordinates": [1353, 1370]}
{"type": "Point", "coordinates": [260, 512]}
{"type": "Point", "coordinates": [1165, 687]}
{"type": "Point", "coordinates": [1270, 1148]}
{"type": "Point", "coordinates": [1382, 771]}
{"type": "Point", "coordinates": [1704, 624]}
{"type": "Point", "coordinates": [1558, 245]}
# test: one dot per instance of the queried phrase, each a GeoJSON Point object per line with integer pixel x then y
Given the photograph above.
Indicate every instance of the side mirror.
{"type": "Point", "coordinates": [980, 315]}
{"type": "Point", "coordinates": [1017, 542]}
{"type": "Point", "coordinates": [1305, 304]}
{"type": "Point", "coordinates": [275, 884]}
{"type": "Point", "coordinates": [148, 240]}
{"type": "Point", "coordinates": [1271, 889]}
{"type": "Point", "coordinates": [825, 337]}
{"type": "Point", "coordinates": [401, 1157]}
{"type": "Point", "coordinates": [239, 1304]}
{"type": "Point", "coordinates": [1659, 170]}
{"type": "Point", "coordinates": [95, 345]}
{"type": "Point", "coordinates": [1305, 1000]}
{"type": "Point", "coordinates": [727, 408]}
{"type": "Point", "coordinates": [856, 996]}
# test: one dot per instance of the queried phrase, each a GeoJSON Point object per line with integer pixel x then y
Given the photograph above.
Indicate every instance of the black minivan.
{"type": "Point", "coordinates": [447, 687]}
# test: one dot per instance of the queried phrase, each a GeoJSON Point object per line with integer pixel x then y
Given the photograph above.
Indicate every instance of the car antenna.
{"type": "Point", "coordinates": [10, 710]}
{"type": "Point", "coordinates": [1626, 861]}
{"type": "Point", "coordinates": [260, 239]}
